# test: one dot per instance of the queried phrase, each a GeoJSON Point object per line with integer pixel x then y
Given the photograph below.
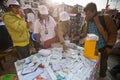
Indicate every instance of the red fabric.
{"type": "Point", "coordinates": [47, 44]}
{"type": "Point", "coordinates": [107, 7]}
{"type": "Point", "coordinates": [75, 35]}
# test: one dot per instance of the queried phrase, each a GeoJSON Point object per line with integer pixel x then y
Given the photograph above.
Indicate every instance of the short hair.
{"type": "Point", "coordinates": [90, 7]}
{"type": "Point", "coordinates": [78, 14]}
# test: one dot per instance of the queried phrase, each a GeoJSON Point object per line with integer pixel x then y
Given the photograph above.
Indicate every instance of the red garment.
{"type": "Point", "coordinates": [107, 7]}
{"type": "Point", "coordinates": [75, 35]}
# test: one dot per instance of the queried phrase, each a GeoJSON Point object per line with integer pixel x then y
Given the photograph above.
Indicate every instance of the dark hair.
{"type": "Point", "coordinates": [39, 15]}
{"type": "Point", "coordinates": [31, 11]}
{"type": "Point", "coordinates": [90, 7]}
{"type": "Point", "coordinates": [12, 5]}
{"type": "Point", "coordinates": [78, 14]}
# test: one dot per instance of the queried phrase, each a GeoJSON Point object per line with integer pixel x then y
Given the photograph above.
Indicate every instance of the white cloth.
{"type": "Point", "coordinates": [57, 11]}
{"type": "Point", "coordinates": [40, 28]}
{"type": "Point", "coordinates": [44, 52]}
{"type": "Point", "coordinates": [27, 6]}
{"type": "Point", "coordinates": [12, 2]}
{"type": "Point", "coordinates": [43, 9]}
{"type": "Point", "coordinates": [31, 18]}
{"type": "Point", "coordinates": [2, 23]}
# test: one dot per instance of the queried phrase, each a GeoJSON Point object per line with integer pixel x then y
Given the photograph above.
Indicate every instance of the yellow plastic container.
{"type": "Point", "coordinates": [90, 49]}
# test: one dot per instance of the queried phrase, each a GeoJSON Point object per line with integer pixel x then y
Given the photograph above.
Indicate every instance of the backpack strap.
{"type": "Point", "coordinates": [102, 22]}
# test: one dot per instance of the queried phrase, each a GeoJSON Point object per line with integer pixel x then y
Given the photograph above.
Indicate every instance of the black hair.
{"type": "Point", "coordinates": [78, 14]}
{"type": "Point", "coordinates": [31, 11]}
{"type": "Point", "coordinates": [90, 7]}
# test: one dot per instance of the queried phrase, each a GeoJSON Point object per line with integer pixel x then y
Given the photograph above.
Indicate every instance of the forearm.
{"type": "Point", "coordinates": [38, 38]}
{"type": "Point", "coordinates": [29, 24]}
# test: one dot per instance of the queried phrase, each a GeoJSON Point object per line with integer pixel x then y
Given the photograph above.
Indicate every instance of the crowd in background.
{"type": "Point", "coordinates": [23, 26]}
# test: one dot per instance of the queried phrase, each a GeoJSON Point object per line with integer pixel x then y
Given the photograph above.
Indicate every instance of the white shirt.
{"type": "Point", "coordinates": [39, 27]}
{"type": "Point", "coordinates": [31, 18]}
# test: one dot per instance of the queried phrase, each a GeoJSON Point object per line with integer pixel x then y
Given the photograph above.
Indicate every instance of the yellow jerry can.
{"type": "Point", "coordinates": [90, 50]}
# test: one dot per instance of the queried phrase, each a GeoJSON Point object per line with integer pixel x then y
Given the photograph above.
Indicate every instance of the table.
{"type": "Point", "coordinates": [58, 65]}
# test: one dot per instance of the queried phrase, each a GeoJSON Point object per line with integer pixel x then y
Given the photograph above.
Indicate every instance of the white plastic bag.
{"type": "Point", "coordinates": [92, 37]}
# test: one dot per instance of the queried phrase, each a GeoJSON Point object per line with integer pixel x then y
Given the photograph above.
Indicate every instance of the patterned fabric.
{"type": "Point", "coordinates": [76, 27]}
{"type": "Point", "coordinates": [93, 29]}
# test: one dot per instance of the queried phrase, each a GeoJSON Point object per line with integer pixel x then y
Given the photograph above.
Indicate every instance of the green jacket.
{"type": "Point", "coordinates": [17, 28]}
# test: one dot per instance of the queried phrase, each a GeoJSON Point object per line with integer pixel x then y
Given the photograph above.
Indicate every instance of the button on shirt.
{"type": "Point", "coordinates": [40, 27]}
{"type": "Point", "coordinates": [93, 29]}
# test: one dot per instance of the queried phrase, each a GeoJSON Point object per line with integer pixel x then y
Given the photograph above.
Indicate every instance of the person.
{"type": "Point", "coordinates": [30, 16]}
{"type": "Point", "coordinates": [73, 28]}
{"type": "Point", "coordinates": [63, 28]}
{"type": "Point", "coordinates": [5, 39]}
{"type": "Point", "coordinates": [79, 29]}
{"type": "Point", "coordinates": [17, 28]}
{"type": "Point", "coordinates": [44, 28]}
{"type": "Point", "coordinates": [107, 37]}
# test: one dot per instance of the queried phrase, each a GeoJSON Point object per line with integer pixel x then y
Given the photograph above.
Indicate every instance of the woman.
{"type": "Point", "coordinates": [44, 28]}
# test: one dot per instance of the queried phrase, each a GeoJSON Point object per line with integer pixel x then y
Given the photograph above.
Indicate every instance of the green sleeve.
{"type": "Point", "coordinates": [15, 23]}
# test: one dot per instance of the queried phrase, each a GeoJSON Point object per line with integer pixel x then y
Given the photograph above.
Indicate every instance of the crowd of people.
{"type": "Point", "coordinates": [20, 23]}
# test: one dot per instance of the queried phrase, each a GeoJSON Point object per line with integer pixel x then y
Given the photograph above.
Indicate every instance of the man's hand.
{"type": "Point", "coordinates": [21, 13]}
{"type": "Point", "coordinates": [108, 50]}
{"type": "Point", "coordinates": [29, 24]}
{"type": "Point", "coordinates": [64, 48]}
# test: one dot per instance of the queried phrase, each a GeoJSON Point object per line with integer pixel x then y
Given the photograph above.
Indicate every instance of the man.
{"type": "Point", "coordinates": [63, 29]}
{"type": "Point", "coordinates": [17, 28]}
{"type": "Point", "coordinates": [107, 37]}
